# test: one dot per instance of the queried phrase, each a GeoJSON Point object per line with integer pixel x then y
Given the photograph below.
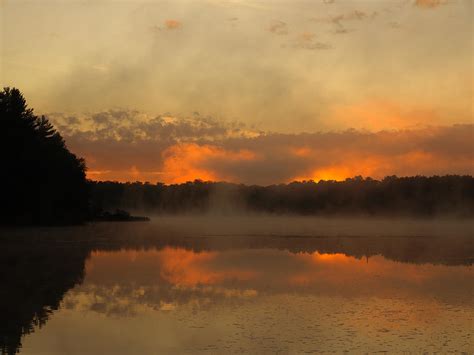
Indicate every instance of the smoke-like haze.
{"type": "Point", "coordinates": [287, 66]}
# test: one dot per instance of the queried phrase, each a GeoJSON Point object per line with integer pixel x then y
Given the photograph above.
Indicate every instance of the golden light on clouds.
{"type": "Point", "coordinates": [189, 161]}
{"type": "Point", "coordinates": [378, 166]}
{"type": "Point", "coordinates": [276, 158]}
{"type": "Point", "coordinates": [249, 91]}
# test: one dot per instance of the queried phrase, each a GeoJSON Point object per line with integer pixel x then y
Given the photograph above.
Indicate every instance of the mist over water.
{"type": "Point", "coordinates": [222, 223]}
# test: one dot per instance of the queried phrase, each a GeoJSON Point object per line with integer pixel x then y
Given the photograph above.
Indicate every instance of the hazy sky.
{"type": "Point", "coordinates": [212, 84]}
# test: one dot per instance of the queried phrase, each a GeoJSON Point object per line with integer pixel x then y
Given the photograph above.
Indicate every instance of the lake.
{"type": "Point", "coordinates": [222, 284]}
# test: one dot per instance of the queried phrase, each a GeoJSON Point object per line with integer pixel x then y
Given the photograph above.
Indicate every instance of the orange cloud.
{"type": "Point", "coordinates": [375, 166]}
{"type": "Point", "coordinates": [429, 4]}
{"type": "Point", "coordinates": [279, 28]}
{"type": "Point", "coordinates": [188, 161]}
{"type": "Point", "coordinates": [172, 24]}
{"type": "Point", "coordinates": [184, 150]}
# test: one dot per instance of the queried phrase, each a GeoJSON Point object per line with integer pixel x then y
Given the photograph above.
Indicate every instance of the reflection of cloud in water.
{"type": "Point", "coordinates": [266, 284]}
{"type": "Point", "coordinates": [293, 302]}
{"type": "Point", "coordinates": [176, 266]}
{"type": "Point", "coordinates": [176, 276]}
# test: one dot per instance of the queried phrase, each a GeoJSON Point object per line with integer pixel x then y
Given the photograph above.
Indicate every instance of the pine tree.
{"type": "Point", "coordinates": [41, 181]}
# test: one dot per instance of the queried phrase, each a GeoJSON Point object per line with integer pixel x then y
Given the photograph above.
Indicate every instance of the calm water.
{"type": "Point", "coordinates": [187, 286]}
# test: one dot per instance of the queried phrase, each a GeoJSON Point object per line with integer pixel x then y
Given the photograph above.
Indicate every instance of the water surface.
{"type": "Point", "coordinates": [163, 288]}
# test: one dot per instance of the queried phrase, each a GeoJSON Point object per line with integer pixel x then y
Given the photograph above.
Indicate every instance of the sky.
{"type": "Point", "coordinates": [258, 92]}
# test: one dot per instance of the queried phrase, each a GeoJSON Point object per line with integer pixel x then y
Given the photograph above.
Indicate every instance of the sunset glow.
{"type": "Point", "coordinates": [250, 91]}
{"type": "Point", "coordinates": [187, 162]}
{"type": "Point", "coordinates": [320, 157]}
{"type": "Point", "coordinates": [236, 176]}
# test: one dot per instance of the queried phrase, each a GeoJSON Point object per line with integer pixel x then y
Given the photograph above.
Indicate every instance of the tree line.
{"type": "Point", "coordinates": [392, 196]}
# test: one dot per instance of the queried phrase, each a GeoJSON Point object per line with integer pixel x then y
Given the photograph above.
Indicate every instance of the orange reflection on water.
{"type": "Point", "coordinates": [330, 258]}
{"type": "Point", "coordinates": [271, 269]}
{"type": "Point", "coordinates": [188, 268]}
{"type": "Point", "coordinates": [339, 271]}
{"type": "Point", "coordinates": [184, 267]}
{"type": "Point", "coordinates": [176, 266]}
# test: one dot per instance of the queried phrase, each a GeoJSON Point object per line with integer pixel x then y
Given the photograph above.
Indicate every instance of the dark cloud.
{"type": "Point", "coordinates": [283, 157]}
{"type": "Point", "coordinates": [133, 126]}
{"type": "Point", "coordinates": [114, 141]}
{"type": "Point", "coordinates": [394, 24]}
{"type": "Point", "coordinates": [341, 30]}
{"type": "Point", "coordinates": [126, 145]}
{"type": "Point", "coordinates": [278, 28]}
{"type": "Point", "coordinates": [312, 45]}
{"type": "Point", "coordinates": [308, 40]}
{"type": "Point", "coordinates": [355, 15]}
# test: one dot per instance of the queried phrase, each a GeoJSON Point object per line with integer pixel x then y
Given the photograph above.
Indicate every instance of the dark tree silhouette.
{"type": "Point", "coordinates": [393, 196]}
{"type": "Point", "coordinates": [41, 182]}
{"type": "Point", "coordinates": [35, 279]}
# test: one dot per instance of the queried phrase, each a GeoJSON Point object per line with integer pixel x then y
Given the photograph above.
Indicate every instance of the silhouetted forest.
{"type": "Point", "coordinates": [392, 196]}
{"type": "Point", "coordinates": [42, 182]}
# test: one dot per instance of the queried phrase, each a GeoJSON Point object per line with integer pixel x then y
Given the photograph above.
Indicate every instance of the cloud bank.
{"type": "Point", "coordinates": [130, 146]}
